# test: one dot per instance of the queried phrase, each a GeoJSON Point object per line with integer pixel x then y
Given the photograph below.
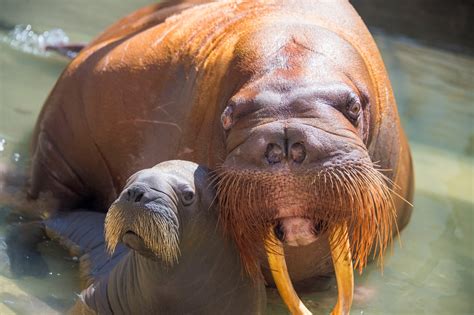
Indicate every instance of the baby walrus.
{"type": "Point", "coordinates": [176, 259]}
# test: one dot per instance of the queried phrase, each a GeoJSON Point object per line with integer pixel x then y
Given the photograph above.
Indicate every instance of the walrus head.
{"type": "Point", "coordinates": [297, 135]}
{"type": "Point", "coordinates": [153, 209]}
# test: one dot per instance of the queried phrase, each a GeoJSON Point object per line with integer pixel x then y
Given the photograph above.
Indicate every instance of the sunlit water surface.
{"type": "Point", "coordinates": [430, 273]}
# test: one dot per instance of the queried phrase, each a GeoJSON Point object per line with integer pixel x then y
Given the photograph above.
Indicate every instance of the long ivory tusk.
{"type": "Point", "coordinates": [342, 260]}
{"type": "Point", "coordinates": [276, 260]}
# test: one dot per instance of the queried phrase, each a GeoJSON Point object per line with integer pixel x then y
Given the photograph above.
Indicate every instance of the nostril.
{"type": "Point", "coordinates": [298, 152]}
{"type": "Point", "coordinates": [274, 153]}
{"type": "Point", "coordinates": [139, 197]}
{"type": "Point", "coordinates": [135, 194]}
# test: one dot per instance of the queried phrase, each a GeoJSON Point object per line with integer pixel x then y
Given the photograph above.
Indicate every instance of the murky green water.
{"type": "Point", "coordinates": [432, 273]}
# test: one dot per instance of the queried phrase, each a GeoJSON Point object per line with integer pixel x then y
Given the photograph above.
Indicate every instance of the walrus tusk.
{"type": "Point", "coordinates": [276, 260]}
{"type": "Point", "coordinates": [342, 260]}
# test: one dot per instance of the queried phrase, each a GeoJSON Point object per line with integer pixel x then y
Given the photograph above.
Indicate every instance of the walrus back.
{"type": "Point", "coordinates": [67, 160]}
{"type": "Point", "coordinates": [155, 91]}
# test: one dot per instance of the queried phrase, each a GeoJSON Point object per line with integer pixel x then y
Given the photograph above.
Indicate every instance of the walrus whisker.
{"type": "Point", "coordinates": [159, 232]}
{"type": "Point", "coordinates": [356, 193]}
{"type": "Point", "coordinates": [395, 193]}
{"type": "Point", "coordinates": [213, 179]}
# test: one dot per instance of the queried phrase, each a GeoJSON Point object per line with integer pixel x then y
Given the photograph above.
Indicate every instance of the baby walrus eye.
{"type": "Point", "coordinates": [187, 196]}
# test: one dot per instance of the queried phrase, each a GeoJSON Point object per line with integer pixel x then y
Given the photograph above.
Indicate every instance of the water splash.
{"type": "Point", "coordinates": [3, 143]}
{"type": "Point", "coordinates": [16, 157]}
{"type": "Point", "coordinates": [25, 39]}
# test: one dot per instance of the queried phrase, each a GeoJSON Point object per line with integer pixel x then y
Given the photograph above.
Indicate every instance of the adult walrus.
{"type": "Point", "coordinates": [288, 100]}
{"type": "Point", "coordinates": [180, 262]}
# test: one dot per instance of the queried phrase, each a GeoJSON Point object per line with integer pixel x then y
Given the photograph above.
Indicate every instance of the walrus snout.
{"type": "Point", "coordinates": [135, 242]}
{"type": "Point", "coordinates": [139, 193]}
{"type": "Point", "coordinates": [144, 218]}
{"type": "Point", "coordinates": [150, 228]}
{"type": "Point", "coordinates": [294, 144]}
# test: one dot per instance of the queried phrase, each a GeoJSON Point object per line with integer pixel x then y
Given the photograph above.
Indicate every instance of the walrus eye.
{"type": "Point", "coordinates": [353, 110]}
{"type": "Point", "coordinates": [187, 197]}
{"type": "Point", "coordinates": [227, 118]}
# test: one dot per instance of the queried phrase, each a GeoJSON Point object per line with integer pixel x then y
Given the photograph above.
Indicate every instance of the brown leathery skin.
{"type": "Point", "coordinates": [144, 18]}
{"type": "Point", "coordinates": [155, 92]}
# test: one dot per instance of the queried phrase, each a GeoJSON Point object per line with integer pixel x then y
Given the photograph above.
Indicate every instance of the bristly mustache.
{"type": "Point", "coordinates": [356, 193]}
{"type": "Point", "coordinates": [159, 230]}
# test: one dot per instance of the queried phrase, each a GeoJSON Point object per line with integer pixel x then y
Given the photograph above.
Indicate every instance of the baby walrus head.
{"type": "Point", "coordinates": [154, 207]}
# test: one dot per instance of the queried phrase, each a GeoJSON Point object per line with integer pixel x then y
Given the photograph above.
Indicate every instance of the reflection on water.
{"type": "Point", "coordinates": [430, 274]}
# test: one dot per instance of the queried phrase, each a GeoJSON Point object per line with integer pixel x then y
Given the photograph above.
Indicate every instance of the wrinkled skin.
{"type": "Point", "coordinates": [176, 259]}
{"type": "Point", "coordinates": [280, 87]}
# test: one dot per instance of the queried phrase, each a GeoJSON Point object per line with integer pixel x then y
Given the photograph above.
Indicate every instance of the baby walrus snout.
{"type": "Point", "coordinates": [143, 199]}
{"type": "Point", "coordinates": [139, 193]}
{"type": "Point", "coordinates": [151, 210]}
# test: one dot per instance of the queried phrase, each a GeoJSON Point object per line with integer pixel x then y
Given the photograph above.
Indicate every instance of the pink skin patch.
{"type": "Point", "coordinates": [298, 231]}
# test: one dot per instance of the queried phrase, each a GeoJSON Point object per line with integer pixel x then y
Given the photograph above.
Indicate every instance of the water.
{"type": "Point", "coordinates": [430, 274]}
{"type": "Point", "coordinates": [25, 39]}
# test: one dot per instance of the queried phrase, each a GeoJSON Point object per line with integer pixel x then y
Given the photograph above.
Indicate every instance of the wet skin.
{"type": "Point", "coordinates": [203, 276]}
{"type": "Point", "coordinates": [291, 99]}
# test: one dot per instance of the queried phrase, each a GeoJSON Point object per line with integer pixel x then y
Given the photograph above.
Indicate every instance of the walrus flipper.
{"type": "Point", "coordinates": [82, 234]}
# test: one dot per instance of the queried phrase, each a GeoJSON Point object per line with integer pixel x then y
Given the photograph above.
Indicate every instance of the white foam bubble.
{"type": "Point", "coordinates": [3, 143]}
{"type": "Point", "coordinates": [25, 39]}
{"type": "Point", "coordinates": [16, 157]}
